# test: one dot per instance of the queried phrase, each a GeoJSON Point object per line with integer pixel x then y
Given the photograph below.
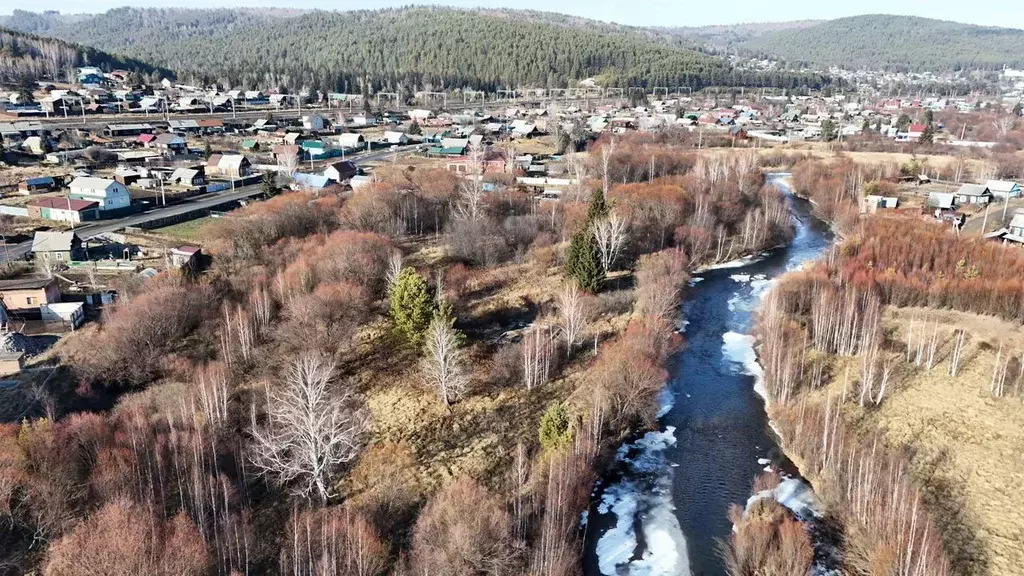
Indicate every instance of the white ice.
{"type": "Point", "coordinates": [739, 349]}
{"type": "Point", "coordinates": [665, 551]}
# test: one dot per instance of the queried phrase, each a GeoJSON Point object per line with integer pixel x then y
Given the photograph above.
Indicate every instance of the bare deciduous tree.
{"type": "Point", "coordinates": [443, 361]}
{"type": "Point", "coordinates": [610, 234]}
{"type": "Point", "coordinates": [288, 158]}
{"type": "Point", "coordinates": [606, 158]}
{"type": "Point", "coordinates": [472, 189]}
{"type": "Point", "coordinates": [308, 431]}
{"type": "Point", "coordinates": [573, 320]}
{"type": "Point", "coordinates": [394, 269]}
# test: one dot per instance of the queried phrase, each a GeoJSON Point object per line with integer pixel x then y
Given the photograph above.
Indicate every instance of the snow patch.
{"type": "Point", "coordinates": [738, 263]}
{"type": "Point", "coordinates": [741, 278]}
{"type": "Point", "coordinates": [795, 495]}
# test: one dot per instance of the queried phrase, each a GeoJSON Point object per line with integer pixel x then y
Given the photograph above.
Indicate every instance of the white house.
{"type": "Point", "coordinates": [109, 194]}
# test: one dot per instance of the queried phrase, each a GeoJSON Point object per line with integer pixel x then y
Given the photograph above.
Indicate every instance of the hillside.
{"type": "Point", "coordinates": [24, 54]}
{"type": "Point", "coordinates": [895, 43]}
{"type": "Point", "coordinates": [726, 37]}
{"type": "Point", "coordinates": [409, 48]}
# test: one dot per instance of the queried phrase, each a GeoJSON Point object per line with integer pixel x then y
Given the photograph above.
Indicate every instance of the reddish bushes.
{"type": "Point", "coordinates": [136, 337]}
{"type": "Point", "coordinates": [126, 539]}
{"type": "Point", "coordinates": [464, 531]}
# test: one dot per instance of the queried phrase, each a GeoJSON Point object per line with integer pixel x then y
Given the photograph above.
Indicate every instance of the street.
{"type": "Point", "coordinates": [201, 202]}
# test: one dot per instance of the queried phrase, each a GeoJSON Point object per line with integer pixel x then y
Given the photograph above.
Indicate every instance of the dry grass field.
{"type": "Point", "coordinates": [966, 447]}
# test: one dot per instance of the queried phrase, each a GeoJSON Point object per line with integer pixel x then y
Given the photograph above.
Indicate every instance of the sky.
{"type": "Point", "coordinates": [1009, 13]}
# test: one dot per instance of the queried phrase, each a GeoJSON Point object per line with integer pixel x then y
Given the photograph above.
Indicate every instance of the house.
{"type": "Point", "coordinates": [393, 137]}
{"type": "Point", "coordinates": [64, 209]}
{"type": "Point", "coordinates": [211, 125]}
{"type": "Point", "coordinates": [185, 256]}
{"type": "Point", "coordinates": [187, 177]}
{"type": "Point", "coordinates": [170, 142]}
{"type": "Point", "coordinates": [26, 294]}
{"type": "Point", "coordinates": [184, 125]}
{"type": "Point", "coordinates": [973, 194]}
{"type": "Point", "coordinates": [41, 184]}
{"type": "Point", "coordinates": [523, 130]}
{"type": "Point", "coordinates": [1017, 225]}
{"type": "Point", "coordinates": [228, 166]}
{"type": "Point", "coordinates": [941, 200]}
{"type": "Point", "coordinates": [351, 140]}
{"type": "Point", "coordinates": [314, 122]}
{"type": "Point", "coordinates": [1003, 188]}
{"type": "Point", "coordinates": [451, 147]}
{"type": "Point", "coordinates": [341, 171]}
{"type": "Point", "coordinates": [56, 246]}
{"type": "Point", "coordinates": [109, 194]}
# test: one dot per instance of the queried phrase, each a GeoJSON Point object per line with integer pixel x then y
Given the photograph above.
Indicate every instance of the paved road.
{"type": "Point", "coordinates": [201, 202]}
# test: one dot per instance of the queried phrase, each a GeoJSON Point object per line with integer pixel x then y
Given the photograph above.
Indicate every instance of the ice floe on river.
{"type": "Point", "coordinates": [644, 494]}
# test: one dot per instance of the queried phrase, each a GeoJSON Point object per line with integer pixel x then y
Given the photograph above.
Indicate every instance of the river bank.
{"type": "Point", "coordinates": [663, 508]}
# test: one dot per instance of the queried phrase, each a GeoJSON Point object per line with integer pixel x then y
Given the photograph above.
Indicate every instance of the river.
{"type": "Point", "coordinates": [663, 508]}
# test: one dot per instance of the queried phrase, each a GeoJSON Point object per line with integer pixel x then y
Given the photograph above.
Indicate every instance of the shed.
{"type": "Point", "coordinates": [71, 313]}
{"type": "Point", "coordinates": [351, 140]}
{"type": "Point", "coordinates": [941, 200]}
{"type": "Point", "coordinates": [41, 184]}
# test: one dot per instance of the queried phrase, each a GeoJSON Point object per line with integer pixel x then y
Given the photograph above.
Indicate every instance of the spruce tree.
{"type": "Point", "coordinates": [412, 305]}
{"type": "Point", "coordinates": [583, 261]}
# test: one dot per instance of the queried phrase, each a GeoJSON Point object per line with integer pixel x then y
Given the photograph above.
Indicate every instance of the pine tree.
{"type": "Point", "coordinates": [415, 129]}
{"type": "Point", "coordinates": [583, 261]}
{"type": "Point", "coordinates": [412, 305]}
{"type": "Point", "coordinates": [270, 188]}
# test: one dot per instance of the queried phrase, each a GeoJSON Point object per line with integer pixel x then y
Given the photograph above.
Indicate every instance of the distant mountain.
{"type": "Point", "coordinates": [903, 43]}
{"type": "Point", "coordinates": [398, 49]}
{"type": "Point", "coordinates": [23, 54]}
{"type": "Point", "coordinates": [727, 37]}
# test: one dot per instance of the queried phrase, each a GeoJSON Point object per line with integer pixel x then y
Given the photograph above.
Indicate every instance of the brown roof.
{"type": "Point", "coordinates": [211, 122]}
{"type": "Point", "coordinates": [62, 203]}
{"type": "Point", "coordinates": [26, 283]}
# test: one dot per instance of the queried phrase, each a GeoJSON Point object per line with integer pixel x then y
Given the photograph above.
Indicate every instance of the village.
{"type": "Point", "coordinates": [106, 179]}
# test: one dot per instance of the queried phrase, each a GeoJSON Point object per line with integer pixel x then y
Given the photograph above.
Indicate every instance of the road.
{"type": "Point", "coordinates": [101, 120]}
{"type": "Point", "coordinates": [201, 202]}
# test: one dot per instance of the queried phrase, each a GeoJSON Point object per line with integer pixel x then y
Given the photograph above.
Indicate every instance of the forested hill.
{"type": "Point", "coordinates": [397, 49]}
{"type": "Point", "coordinates": [24, 55]}
{"type": "Point", "coordinates": [899, 43]}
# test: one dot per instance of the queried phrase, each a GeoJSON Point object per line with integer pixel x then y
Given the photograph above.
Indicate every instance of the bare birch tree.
{"type": "Point", "coordinates": [394, 270]}
{"type": "Point", "coordinates": [610, 234]}
{"type": "Point", "coordinates": [606, 157]}
{"type": "Point", "coordinates": [443, 364]}
{"type": "Point", "coordinates": [308, 432]}
{"type": "Point", "coordinates": [573, 320]}
{"type": "Point", "coordinates": [470, 205]}
{"type": "Point", "coordinates": [288, 158]}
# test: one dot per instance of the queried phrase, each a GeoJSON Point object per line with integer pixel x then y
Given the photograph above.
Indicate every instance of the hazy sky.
{"type": "Point", "coordinates": [637, 12]}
